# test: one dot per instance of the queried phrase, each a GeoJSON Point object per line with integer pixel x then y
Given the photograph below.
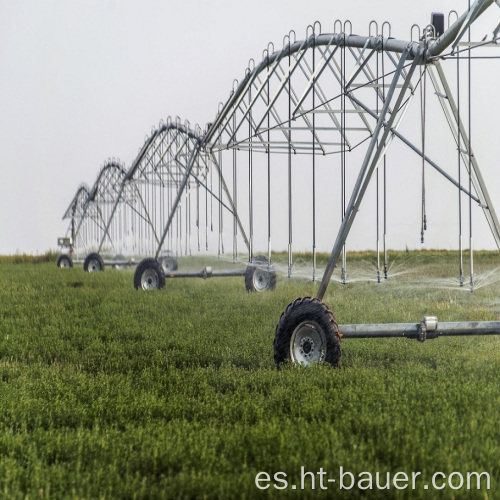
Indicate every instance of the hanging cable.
{"type": "Point", "coordinates": [289, 167]}
{"type": "Point", "coordinates": [198, 213]}
{"type": "Point", "coordinates": [471, 248]}
{"type": "Point", "coordinates": [188, 230]}
{"type": "Point", "coordinates": [220, 249]}
{"type": "Point", "coordinates": [235, 200]}
{"type": "Point", "coordinates": [343, 155]}
{"type": "Point", "coordinates": [314, 160]}
{"type": "Point", "coordinates": [250, 178]}
{"type": "Point", "coordinates": [385, 170]}
{"type": "Point", "coordinates": [186, 246]}
{"type": "Point", "coordinates": [377, 187]}
{"type": "Point", "coordinates": [211, 197]}
{"type": "Point", "coordinates": [423, 90]}
{"type": "Point", "coordinates": [459, 146]}
{"type": "Point", "coordinates": [206, 215]}
{"type": "Point", "coordinates": [268, 167]}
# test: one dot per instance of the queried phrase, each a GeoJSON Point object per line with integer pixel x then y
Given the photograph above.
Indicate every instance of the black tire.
{"type": "Point", "coordinates": [64, 260]}
{"type": "Point", "coordinates": [260, 275]}
{"type": "Point", "coordinates": [168, 263]}
{"type": "Point", "coordinates": [149, 275]}
{"type": "Point", "coordinates": [307, 332]}
{"type": "Point", "coordinates": [93, 263]}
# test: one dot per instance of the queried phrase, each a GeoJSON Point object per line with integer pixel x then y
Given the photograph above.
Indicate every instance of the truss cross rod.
{"type": "Point", "coordinates": [82, 215]}
{"type": "Point", "coordinates": [368, 167]}
{"type": "Point", "coordinates": [231, 203]}
{"type": "Point", "coordinates": [339, 75]}
{"type": "Point", "coordinates": [317, 92]}
{"type": "Point", "coordinates": [189, 167]}
{"type": "Point", "coordinates": [477, 178]}
{"type": "Point", "coordinates": [108, 224]}
{"type": "Point", "coordinates": [147, 217]}
{"type": "Point", "coordinates": [287, 76]}
{"type": "Point", "coordinates": [316, 74]}
{"type": "Point", "coordinates": [150, 159]}
{"type": "Point", "coordinates": [162, 156]}
{"type": "Point", "coordinates": [419, 152]}
{"type": "Point", "coordinates": [360, 64]}
{"type": "Point", "coordinates": [238, 95]}
{"type": "Point", "coordinates": [129, 175]}
{"type": "Point", "coordinates": [274, 59]}
{"type": "Point", "coordinates": [207, 189]}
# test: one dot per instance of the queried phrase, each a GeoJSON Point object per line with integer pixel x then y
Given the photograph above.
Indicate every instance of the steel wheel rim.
{"type": "Point", "coordinates": [260, 279]}
{"type": "Point", "coordinates": [64, 263]}
{"type": "Point", "coordinates": [94, 265]}
{"type": "Point", "coordinates": [166, 264]}
{"type": "Point", "coordinates": [308, 344]}
{"type": "Point", "coordinates": [150, 280]}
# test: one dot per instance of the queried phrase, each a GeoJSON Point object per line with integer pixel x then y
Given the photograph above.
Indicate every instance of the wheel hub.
{"type": "Point", "coordinates": [149, 280]}
{"type": "Point", "coordinates": [261, 279]}
{"type": "Point", "coordinates": [306, 346]}
{"type": "Point", "coordinates": [308, 343]}
{"type": "Point", "coordinates": [94, 266]}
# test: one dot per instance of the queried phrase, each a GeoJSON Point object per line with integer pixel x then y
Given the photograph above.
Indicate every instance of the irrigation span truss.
{"type": "Point", "coordinates": [333, 103]}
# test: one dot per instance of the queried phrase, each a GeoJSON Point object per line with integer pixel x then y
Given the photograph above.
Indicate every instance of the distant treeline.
{"type": "Point", "coordinates": [23, 258]}
{"type": "Point", "coordinates": [322, 258]}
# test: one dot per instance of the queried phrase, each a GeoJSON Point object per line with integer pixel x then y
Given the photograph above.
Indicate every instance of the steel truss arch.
{"type": "Point", "coordinates": [160, 191]}
{"type": "Point", "coordinates": [324, 95]}
{"type": "Point", "coordinates": [90, 207]}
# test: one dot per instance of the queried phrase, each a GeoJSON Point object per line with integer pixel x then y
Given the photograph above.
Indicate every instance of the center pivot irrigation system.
{"type": "Point", "coordinates": [331, 104]}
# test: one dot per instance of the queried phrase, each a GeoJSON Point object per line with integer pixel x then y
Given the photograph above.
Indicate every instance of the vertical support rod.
{"type": "Point", "coordinates": [343, 158]}
{"type": "Point", "coordinates": [471, 249]}
{"type": "Point", "coordinates": [289, 171]}
{"type": "Point", "coordinates": [235, 200]}
{"type": "Point", "coordinates": [250, 179]}
{"type": "Point", "coordinates": [459, 144]}
{"type": "Point", "coordinates": [314, 161]}
{"type": "Point", "coordinates": [368, 166]}
{"type": "Point", "coordinates": [268, 171]}
{"type": "Point", "coordinates": [182, 186]}
{"type": "Point", "coordinates": [385, 174]}
{"type": "Point", "coordinates": [377, 187]}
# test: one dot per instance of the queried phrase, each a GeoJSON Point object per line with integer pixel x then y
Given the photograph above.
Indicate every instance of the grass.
{"type": "Point", "coordinates": [107, 392]}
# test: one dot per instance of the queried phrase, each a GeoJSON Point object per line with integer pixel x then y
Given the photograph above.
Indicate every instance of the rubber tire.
{"type": "Point", "coordinates": [90, 257]}
{"type": "Point", "coordinates": [64, 258]}
{"type": "Point", "coordinates": [301, 311]}
{"type": "Point", "coordinates": [148, 264]}
{"type": "Point", "coordinates": [259, 263]}
{"type": "Point", "coordinates": [168, 263]}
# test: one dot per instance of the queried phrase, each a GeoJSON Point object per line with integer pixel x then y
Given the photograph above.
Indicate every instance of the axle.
{"type": "Point", "coordinates": [208, 272]}
{"type": "Point", "coordinates": [428, 328]}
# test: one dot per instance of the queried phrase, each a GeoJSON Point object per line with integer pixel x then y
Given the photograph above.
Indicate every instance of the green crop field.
{"type": "Point", "coordinates": [109, 392]}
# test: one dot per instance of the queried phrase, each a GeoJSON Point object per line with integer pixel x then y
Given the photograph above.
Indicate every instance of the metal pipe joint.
{"type": "Point", "coordinates": [428, 325]}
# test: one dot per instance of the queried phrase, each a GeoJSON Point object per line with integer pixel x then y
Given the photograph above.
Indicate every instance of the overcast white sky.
{"type": "Point", "coordinates": [84, 80]}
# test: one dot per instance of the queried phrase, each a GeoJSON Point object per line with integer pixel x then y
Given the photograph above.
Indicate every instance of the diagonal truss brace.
{"type": "Point", "coordinates": [369, 164]}
{"type": "Point", "coordinates": [450, 110]}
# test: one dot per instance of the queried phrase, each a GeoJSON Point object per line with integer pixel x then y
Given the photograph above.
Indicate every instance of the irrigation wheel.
{"type": "Point", "coordinates": [168, 262]}
{"type": "Point", "coordinates": [260, 275]}
{"type": "Point", "coordinates": [64, 260]}
{"type": "Point", "coordinates": [93, 262]}
{"type": "Point", "coordinates": [307, 333]}
{"type": "Point", "coordinates": [149, 275]}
